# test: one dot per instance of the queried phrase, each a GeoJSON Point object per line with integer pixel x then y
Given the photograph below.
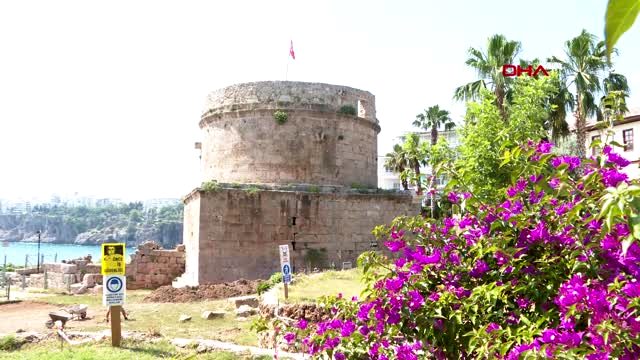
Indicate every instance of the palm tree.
{"type": "Point", "coordinates": [415, 153]}
{"type": "Point", "coordinates": [432, 119]}
{"type": "Point", "coordinates": [585, 64]}
{"type": "Point", "coordinates": [397, 162]}
{"type": "Point", "coordinates": [616, 85]}
{"type": "Point", "coordinates": [500, 51]}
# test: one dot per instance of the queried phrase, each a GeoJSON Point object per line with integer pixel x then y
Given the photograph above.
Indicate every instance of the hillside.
{"type": "Point", "coordinates": [127, 223]}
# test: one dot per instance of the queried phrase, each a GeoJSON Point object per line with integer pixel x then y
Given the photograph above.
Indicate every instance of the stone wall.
{"type": "Point", "coordinates": [324, 148]}
{"type": "Point", "coordinates": [60, 275]}
{"type": "Point", "coordinates": [291, 95]}
{"type": "Point", "coordinates": [152, 267]}
{"type": "Point", "coordinates": [239, 232]}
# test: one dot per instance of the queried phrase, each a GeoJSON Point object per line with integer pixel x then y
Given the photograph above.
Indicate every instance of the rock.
{"type": "Point", "coordinates": [250, 300]}
{"type": "Point", "coordinates": [93, 269]}
{"type": "Point", "coordinates": [184, 318]}
{"type": "Point", "coordinates": [61, 268]}
{"type": "Point", "coordinates": [20, 331]}
{"type": "Point", "coordinates": [78, 288]}
{"type": "Point", "coordinates": [213, 315]}
{"type": "Point", "coordinates": [96, 289]}
{"type": "Point", "coordinates": [90, 280]}
{"type": "Point", "coordinates": [180, 248]}
{"type": "Point", "coordinates": [30, 336]}
{"type": "Point", "coordinates": [245, 310]}
{"type": "Point", "coordinates": [149, 245]}
{"type": "Point", "coordinates": [182, 343]}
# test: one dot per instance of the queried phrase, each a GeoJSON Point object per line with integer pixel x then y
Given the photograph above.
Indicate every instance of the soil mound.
{"type": "Point", "coordinates": [169, 294]}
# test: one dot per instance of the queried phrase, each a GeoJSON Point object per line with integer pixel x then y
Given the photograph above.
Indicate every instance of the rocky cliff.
{"type": "Point", "coordinates": [94, 227]}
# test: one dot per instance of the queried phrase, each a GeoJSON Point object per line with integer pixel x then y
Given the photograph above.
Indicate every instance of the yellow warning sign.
{"type": "Point", "coordinates": [113, 259]}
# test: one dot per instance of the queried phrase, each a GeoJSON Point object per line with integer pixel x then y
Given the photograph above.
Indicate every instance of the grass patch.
{"type": "Point", "coordinates": [50, 350]}
{"type": "Point", "coordinates": [309, 288]}
{"type": "Point", "coordinates": [9, 343]}
{"type": "Point", "coordinates": [163, 317]}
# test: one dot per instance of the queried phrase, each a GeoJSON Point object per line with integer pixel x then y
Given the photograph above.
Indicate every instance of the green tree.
{"type": "Point", "coordinates": [485, 136]}
{"type": "Point", "coordinates": [583, 68]}
{"type": "Point", "coordinates": [432, 119]}
{"type": "Point", "coordinates": [135, 216]}
{"type": "Point", "coordinates": [397, 163]}
{"type": "Point", "coordinates": [488, 65]}
{"type": "Point", "coordinates": [416, 155]}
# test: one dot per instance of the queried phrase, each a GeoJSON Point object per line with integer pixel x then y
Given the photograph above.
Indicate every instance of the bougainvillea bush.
{"type": "Point", "coordinates": [551, 271]}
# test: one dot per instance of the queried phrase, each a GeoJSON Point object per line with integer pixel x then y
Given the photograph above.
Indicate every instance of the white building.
{"type": "Point", "coordinates": [161, 202]}
{"type": "Point", "coordinates": [625, 131]}
{"type": "Point", "coordinates": [389, 180]}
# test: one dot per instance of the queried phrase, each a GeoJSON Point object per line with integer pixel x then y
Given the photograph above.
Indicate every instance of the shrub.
{"type": "Point", "coordinates": [210, 186]}
{"type": "Point", "coordinates": [548, 271]}
{"type": "Point", "coordinates": [274, 279]}
{"type": "Point", "coordinates": [280, 117]}
{"type": "Point", "coordinates": [348, 110]}
{"type": "Point", "coordinates": [10, 343]}
{"type": "Point", "coordinates": [252, 190]}
{"type": "Point", "coordinates": [314, 189]}
{"type": "Point", "coordinates": [263, 287]}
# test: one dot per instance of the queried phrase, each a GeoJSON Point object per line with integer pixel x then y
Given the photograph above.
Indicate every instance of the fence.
{"type": "Point", "coordinates": [5, 284]}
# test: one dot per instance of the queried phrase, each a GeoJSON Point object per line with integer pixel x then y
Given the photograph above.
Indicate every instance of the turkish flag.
{"type": "Point", "coordinates": [293, 55]}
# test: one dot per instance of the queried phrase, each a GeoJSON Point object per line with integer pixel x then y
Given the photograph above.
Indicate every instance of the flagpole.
{"type": "Point", "coordinates": [286, 74]}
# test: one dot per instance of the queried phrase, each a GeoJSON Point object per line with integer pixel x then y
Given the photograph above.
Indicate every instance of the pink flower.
{"type": "Point", "coordinates": [290, 337]}
{"type": "Point", "coordinates": [493, 327]}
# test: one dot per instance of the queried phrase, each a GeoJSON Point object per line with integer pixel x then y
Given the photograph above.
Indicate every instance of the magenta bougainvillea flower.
{"type": "Point", "coordinates": [537, 273]}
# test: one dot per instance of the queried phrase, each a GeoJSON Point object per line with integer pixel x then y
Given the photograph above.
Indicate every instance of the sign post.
{"type": "Point", "coordinates": [114, 286]}
{"type": "Point", "coordinates": [285, 265]}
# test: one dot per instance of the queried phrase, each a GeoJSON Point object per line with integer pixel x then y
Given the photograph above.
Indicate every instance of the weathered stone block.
{"type": "Point", "coordinates": [78, 288]}
{"type": "Point", "coordinates": [209, 315]}
{"type": "Point", "coordinates": [93, 269]}
{"type": "Point", "coordinates": [245, 311]}
{"type": "Point", "coordinates": [250, 300]}
{"type": "Point", "coordinates": [90, 280]}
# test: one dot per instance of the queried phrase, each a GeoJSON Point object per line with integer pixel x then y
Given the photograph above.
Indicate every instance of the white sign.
{"type": "Point", "coordinates": [284, 264]}
{"type": "Point", "coordinates": [113, 290]}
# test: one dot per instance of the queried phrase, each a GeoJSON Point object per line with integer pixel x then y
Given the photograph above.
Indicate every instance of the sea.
{"type": "Point", "coordinates": [16, 252]}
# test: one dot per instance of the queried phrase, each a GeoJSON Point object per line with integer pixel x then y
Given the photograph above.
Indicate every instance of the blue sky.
{"type": "Point", "coordinates": [104, 99]}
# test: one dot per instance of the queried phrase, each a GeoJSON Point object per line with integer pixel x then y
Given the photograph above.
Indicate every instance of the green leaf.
{"type": "Point", "coordinates": [621, 14]}
{"type": "Point", "coordinates": [635, 225]}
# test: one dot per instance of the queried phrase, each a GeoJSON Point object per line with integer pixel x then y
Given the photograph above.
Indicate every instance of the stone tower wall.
{"type": "Point", "coordinates": [317, 145]}
{"type": "Point", "coordinates": [240, 231]}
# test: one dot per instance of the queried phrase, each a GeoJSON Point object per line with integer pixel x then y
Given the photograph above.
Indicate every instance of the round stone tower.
{"type": "Point", "coordinates": [328, 136]}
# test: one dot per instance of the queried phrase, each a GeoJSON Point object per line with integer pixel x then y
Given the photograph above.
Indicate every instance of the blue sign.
{"type": "Point", "coordinates": [286, 269]}
{"type": "Point", "coordinates": [287, 278]}
{"type": "Point", "coordinates": [114, 285]}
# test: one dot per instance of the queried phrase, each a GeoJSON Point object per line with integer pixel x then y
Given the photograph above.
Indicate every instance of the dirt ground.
{"type": "Point", "coordinates": [168, 294]}
{"type": "Point", "coordinates": [32, 316]}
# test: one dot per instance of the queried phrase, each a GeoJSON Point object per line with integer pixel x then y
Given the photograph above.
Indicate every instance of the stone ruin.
{"type": "Point", "coordinates": [306, 179]}
{"type": "Point", "coordinates": [150, 267]}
